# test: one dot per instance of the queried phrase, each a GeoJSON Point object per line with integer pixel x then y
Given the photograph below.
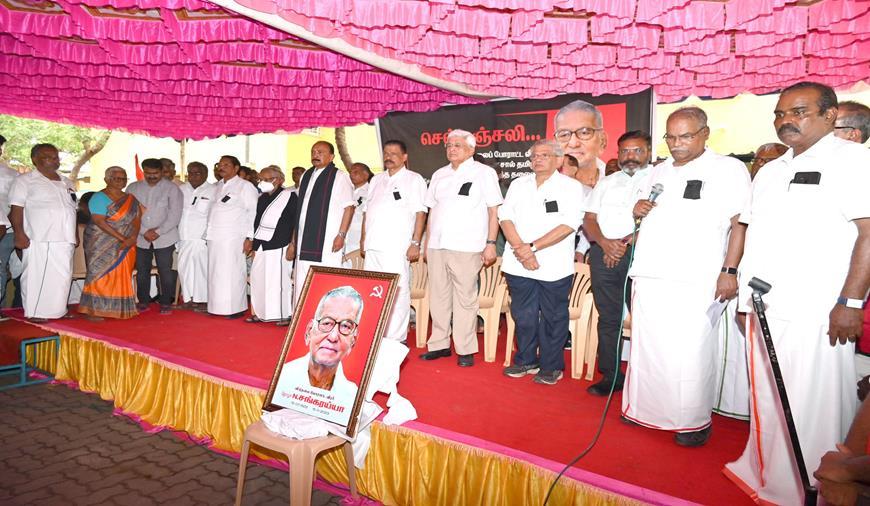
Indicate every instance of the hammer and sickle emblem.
{"type": "Point", "coordinates": [377, 291]}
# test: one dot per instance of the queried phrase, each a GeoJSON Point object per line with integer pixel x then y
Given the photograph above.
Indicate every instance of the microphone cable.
{"type": "Point", "coordinates": [600, 429]}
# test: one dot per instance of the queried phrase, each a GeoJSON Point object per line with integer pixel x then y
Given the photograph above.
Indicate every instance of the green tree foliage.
{"type": "Point", "coordinates": [22, 133]}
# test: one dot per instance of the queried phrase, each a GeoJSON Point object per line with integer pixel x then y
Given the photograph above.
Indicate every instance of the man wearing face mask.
{"type": "Point", "coordinates": [323, 215]}
{"type": "Point", "coordinates": [610, 225]}
{"type": "Point", "coordinates": [688, 249]}
{"type": "Point", "coordinates": [271, 289]}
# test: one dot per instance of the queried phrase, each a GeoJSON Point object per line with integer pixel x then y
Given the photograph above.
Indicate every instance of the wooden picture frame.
{"type": "Point", "coordinates": [324, 367]}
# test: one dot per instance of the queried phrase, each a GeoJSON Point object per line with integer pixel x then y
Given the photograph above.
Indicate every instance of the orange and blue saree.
{"type": "Point", "coordinates": [108, 290]}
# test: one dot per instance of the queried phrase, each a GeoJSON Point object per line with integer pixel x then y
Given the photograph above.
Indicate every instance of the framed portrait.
{"type": "Point", "coordinates": [331, 345]}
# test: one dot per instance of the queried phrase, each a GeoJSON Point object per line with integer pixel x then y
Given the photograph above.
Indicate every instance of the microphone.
{"type": "Point", "coordinates": [654, 193]}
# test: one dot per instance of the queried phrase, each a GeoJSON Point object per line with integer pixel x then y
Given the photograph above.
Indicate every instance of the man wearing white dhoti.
{"type": "Point", "coordinates": [360, 176]}
{"type": "Point", "coordinates": [271, 290]}
{"type": "Point", "coordinates": [732, 373]}
{"type": "Point", "coordinates": [393, 221]}
{"type": "Point", "coordinates": [687, 253]}
{"type": "Point", "coordinates": [43, 215]}
{"type": "Point", "coordinates": [230, 225]}
{"type": "Point", "coordinates": [814, 308]}
{"type": "Point", "coordinates": [323, 215]}
{"type": "Point", "coordinates": [192, 247]}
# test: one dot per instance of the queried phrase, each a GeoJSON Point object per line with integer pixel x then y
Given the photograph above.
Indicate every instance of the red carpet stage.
{"type": "Point", "coordinates": [481, 438]}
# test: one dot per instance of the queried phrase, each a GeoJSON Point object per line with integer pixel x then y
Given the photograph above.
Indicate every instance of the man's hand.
{"type": "Point", "coordinates": [523, 252]}
{"type": "Point", "coordinates": [2, 231]}
{"type": "Point", "coordinates": [22, 242]}
{"type": "Point", "coordinates": [741, 322]}
{"type": "Point", "coordinates": [610, 262]}
{"type": "Point", "coordinates": [151, 235]}
{"type": "Point", "coordinates": [839, 494]}
{"type": "Point", "coordinates": [291, 252]}
{"type": "Point", "coordinates": [863, 388]}
{"type": "Point", "coordinates": [726, 287]}
{"type": "Point", "coordinates": [337, 243]}
{"type": "Point", "coordinates": [579, 257]}
{"type": "Point", "coordinates": [531, 263]}
{"type": "Point", "coordinates": [844, 325]}
{"type": "Point", "coordinates": [247, 247]}
{"type": "Point", "coordinates": [612, 247]}
{"type": "Point", "coordinates": [413, 253]}
{"type": "Point", "coordinates": [488, 255]}
{"type": "Point", "coordinates": [833, 466]}
{"type": "Point", "coordinates": [642, 208]}
{"type": "Point", "coordinates": [362, 247]}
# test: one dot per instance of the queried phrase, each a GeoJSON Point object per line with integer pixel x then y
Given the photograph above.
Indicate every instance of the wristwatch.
{"type": "Point", "coordinates": [534, 248]}
{"type": "Point", "coordinates": [415, 243]}
{"type": "Point", "coordinates": [342, 234]}
{"type": "Point", "coordinates": [851, 303]}
{"type": "Point", "coordinates": [490, 241]}
{"type": "Point", "coordinates": [729, 270]}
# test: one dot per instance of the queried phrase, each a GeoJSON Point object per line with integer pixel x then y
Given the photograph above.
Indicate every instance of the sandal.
{"type": "Point", "coordinates": [253, 319]}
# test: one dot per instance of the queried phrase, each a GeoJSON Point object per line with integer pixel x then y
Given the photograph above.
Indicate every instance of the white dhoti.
{"type": "Point", "coordinates": [46, 279]}
{"type": "Point", "coordinates": [271, 289]}
{"type": "Point", "coordinates": [732, 374]}
{"type": "Point", "coordinates": [396, 262]}
{"type": "Point", "coordinates": [670, 383]}
{"type": "Point", "coordinates": [301, 271]}
{"type": "Point", "coordinates": [821, 393]}
{"type": "Point", "coordinates": [193, 270]}
{"type": "Point", "coordinates": [227, 292]}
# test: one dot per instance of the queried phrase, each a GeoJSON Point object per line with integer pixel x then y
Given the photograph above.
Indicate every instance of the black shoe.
{"type": "Point", "coordinates": [693, 439]}
{"type": "Point", "coordinates": [602, 388]}
{"type": "Point", "coordinates": [628, 421]}
{"type": "Point", "coordinates": [235, 316]}
{"type": "Point", "coordinates": [433, 355]}
{"type": "Point", "coordinates": [518, 371]}
{"type": "Point", "coordinates": [547, 377]}
{"type": "Point", "coordinates": [465, 360]}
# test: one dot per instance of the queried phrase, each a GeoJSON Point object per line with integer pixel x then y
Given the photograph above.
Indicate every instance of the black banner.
{"type": "Point", "coordinates": [505, 130]}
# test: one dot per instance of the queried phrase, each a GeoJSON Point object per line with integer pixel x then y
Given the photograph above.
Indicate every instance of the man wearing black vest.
{"type": "Point", "coordinates": [323, 215]}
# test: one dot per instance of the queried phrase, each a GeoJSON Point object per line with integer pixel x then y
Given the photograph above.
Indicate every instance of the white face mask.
{"type": "Point", "coordinates": [265, 186]}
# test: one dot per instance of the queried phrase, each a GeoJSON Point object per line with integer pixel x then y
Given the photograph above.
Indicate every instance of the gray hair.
{"type": "Point", "coordinates": [342, 291]}
{"type": "Point", "coordinates": [691, 112]}
{"type": "Point", "coordinates": [274, 168]}
{"type": "Point", "coordinates": [580, 106]}
{"type": "Point", "coordinates": [555, 146]}
{"type": "Point", "coordinates": [856, 115]}
{"type": "Point", "coordinates": [113, 168]}
{"type": "Point", "coordinates": [467, 136]}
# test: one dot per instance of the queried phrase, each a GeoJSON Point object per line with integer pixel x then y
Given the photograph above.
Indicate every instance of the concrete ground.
{"type": "Point", "coordinates": [60, 446]}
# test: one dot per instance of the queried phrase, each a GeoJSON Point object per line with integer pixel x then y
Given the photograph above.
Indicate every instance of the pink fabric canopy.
{"type": "Point", "coordinates": [188, 68]}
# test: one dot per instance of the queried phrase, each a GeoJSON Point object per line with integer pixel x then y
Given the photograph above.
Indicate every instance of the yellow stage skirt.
{"type": "Point", "coordinates": [402, 467]}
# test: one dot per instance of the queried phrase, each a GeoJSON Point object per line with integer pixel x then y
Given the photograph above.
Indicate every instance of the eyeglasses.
{"type": "Point", "coordinates": [540, 156]}
{"type": "Point", "coordinates": [630, 151]}
{"type": "Point", "coordinates": [584, 134]}
{"type": "Point", "coordinates": [670, 139]}
{"type": "Point", "coordinates": [345, 327]}
{"type": "Point", "coordinates": [844, 128]}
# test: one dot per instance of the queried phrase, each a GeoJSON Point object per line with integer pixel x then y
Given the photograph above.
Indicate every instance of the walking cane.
{"type": "Point", "coordinates": [760, 288]}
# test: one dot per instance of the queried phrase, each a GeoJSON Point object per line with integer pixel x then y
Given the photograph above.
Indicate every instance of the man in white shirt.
{"type": "Point", "coordinates": [43, 214]}
{"type": "Point", "coordinates": [271, 290]}
{"type": "Point", "coordinates": [393, 220]}
{"type": "Point", "coordinates": [814, 308]}
{"type": "Point", "coordinates": [198, 197]}
{"type": "Point", "coordinates": [579, 129]}
{"type": "Point", "coordinates": [853, 122]}
{"type": "Point", "coordinates": [539, 218]}
{"type": "Point", "coordinates": [323, 216]}
{"type": "Point", "coordinates": [688, 249]}
{"type": "Point", "coordinates": [296, 175]}
{"type": "Point", "coordinates": [360, 176]}
{"type": "Point", "coordinates": [610, 225]}
{"type": "Point", "coordinates": [463, 198]}
{"type": "Point", "coordinates": [162, 203]}
{"type": "Point", "coordinates": [228, 235]}
{"type": "Point", "coordinates": [7, 243]}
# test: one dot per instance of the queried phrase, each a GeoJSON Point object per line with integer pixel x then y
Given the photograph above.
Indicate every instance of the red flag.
{"type": "Point", "coordinates": [139, 174]}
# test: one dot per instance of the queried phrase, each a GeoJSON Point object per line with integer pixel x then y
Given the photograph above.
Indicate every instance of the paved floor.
{"type": "Point", "coordinates": [62, 446]}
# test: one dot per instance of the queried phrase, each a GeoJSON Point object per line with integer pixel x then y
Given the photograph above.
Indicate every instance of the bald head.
{"type": "Point", "coordinates": [764, 154]}
{"type": "Point", "coordinates": [853, 122]}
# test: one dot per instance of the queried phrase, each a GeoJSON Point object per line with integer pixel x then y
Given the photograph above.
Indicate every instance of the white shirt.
{"type": "Point", "coordinates": [49, 207]}
{"type": "Point", "coordinates": [535, 210]}
{"type": "Point", "coordinates": [233, 211]}
{"type": "Point", "coordinates": [7, 177]}
{"type": "Point", "coordinates": [391, 210]}
{"type": "Point", "coordinates": [613, 201]}
{"type": "Point", "coordinates": [354, 231]}
{"type": "Point", "coordinates": [583, 242]}
{"type": "Point", "coordinates": [685, 239]}
{"type": "Point", "coordinates": [806, 281]}
{"type": "Point", "coordinates": [461, 222]}
{"type": "Point", "coordinates": [194, 211]}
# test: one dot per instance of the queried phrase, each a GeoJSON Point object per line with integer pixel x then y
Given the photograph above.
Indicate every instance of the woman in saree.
{"type": "Point", "coordinates": [110, 250]}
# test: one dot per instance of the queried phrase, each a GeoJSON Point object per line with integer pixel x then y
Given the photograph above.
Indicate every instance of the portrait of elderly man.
{"type": "Point", "coordinates": [330, 336]}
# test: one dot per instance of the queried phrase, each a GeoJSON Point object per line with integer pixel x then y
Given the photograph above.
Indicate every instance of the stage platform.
{"type": "Point", "coordinates": [481, 438]}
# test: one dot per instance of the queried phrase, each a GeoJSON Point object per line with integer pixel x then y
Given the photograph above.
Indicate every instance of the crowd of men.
{"type": "Point", "coordinates": [666, 240]}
